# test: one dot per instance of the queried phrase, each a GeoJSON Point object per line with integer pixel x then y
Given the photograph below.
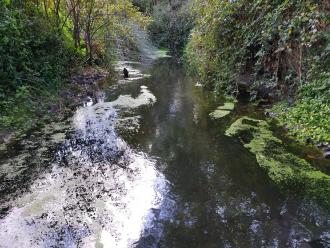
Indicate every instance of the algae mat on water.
{"type": "Point", "coordinates": [286, 169]}
{"type": "Point", "coordinates": [223, 110]}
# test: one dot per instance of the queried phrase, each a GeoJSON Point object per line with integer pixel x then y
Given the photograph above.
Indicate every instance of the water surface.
{"type": "Point", "coordinates": [143, 165]}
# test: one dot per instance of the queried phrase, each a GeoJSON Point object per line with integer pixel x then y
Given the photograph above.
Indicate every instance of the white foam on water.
{"type": "Point", "coordinates": [133, 72]}
{"type": "Point", "coordinates": [98, 193]}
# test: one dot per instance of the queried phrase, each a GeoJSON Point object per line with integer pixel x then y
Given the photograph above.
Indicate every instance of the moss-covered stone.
{"type": "Point", "coordinates": [223, 110]}
{"type": "Point", "coordinates": [286, 169]}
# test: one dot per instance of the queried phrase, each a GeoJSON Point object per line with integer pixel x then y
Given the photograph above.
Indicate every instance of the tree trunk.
{"type": "Point", "coordinates": [89, 48]}
{"type": "Point", "coordinates": [76, 34]}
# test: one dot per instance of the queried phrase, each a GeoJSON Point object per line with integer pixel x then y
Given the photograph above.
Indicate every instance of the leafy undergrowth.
{"type": "Point", "coordinates": [21, 110]}
{"type": "Point", "coordinates": [34, 62]}
{"type": "Point", "coordinates": [309, 117]}
{"type": "Point", "coordinates": [265, 44]}
{"type": "Point", "coordinates": [286, 169]}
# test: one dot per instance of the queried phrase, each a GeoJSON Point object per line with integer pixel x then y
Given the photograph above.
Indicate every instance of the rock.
{"type": "Point", "coordinates": [125, 71]}
{"type": "Point", "coordinates": [326, 155]}
{"type": "Point", "coordinates": [270, 114]}
{"type": "Point", "coordinates": [309, 141]}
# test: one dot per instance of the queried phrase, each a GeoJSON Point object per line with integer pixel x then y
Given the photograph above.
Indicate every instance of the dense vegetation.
{"type": "Point", "coordinates": [41, 41]}
{"type": "Point", "coordinates": [308, 118]}
{"type": "Point", "coordinates": [171, 24]}
{"type": "Point", "coordinates": [277, 50]}
{"type": "Point", "coordinates": [33, 59]}
{"type": "Point", "coordinates": [273, 49]}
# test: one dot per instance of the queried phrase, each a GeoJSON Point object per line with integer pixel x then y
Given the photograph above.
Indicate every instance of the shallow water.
{"type": "Point", "coordinates": [144, 165]}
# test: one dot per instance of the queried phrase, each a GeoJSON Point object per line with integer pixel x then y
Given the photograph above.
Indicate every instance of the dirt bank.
{"type": "Point", "coordinates": [81, 86]}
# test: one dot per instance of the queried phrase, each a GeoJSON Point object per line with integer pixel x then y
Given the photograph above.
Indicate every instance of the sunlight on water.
{"type": "Point", "coordinates": [134, 73]}
{"type": "Point", "coordinates": [99, 192]}
{"type": "Point", "coordinates": [79, 183]}
{"type": "Point", "coordinates": [141, 197]}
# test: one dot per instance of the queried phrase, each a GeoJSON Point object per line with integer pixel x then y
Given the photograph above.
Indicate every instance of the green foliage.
{"type": "Point", "coordinates": [110, 20]}
{"type": "Point", "coordinates": [282, 46]}
{"type": "Point", "coordinates": [273, 43]}
{"type": "Point", "coordinates": [40, 41]}
{"type": "Point", "coordinates": [33, 61]}
{"type": "Point", "coordinates": [144, 5]}
{"type": "Point", "coordinates": [309, 117]}
{"type": "Point", "coordinates": [18, 109]}
{"type": "Point", "coordinates": [287, 170]}
{"type": "Point", "coordinates": [171, 25]}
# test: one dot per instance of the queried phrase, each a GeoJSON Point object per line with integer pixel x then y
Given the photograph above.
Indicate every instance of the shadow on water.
{"type": "Point", "coordinates": [223, 198]}
{"type": "Point", "coordinates": [145, 166]}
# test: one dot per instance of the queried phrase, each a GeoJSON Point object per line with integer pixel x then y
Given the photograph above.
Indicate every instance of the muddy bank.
{"type": "Point", "coordinates": [81, 86]}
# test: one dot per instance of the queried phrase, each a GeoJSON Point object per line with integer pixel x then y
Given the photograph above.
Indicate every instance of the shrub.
{"type": "Point", "coordinates": [33, 62]}
{"type": "Point", "coordinates": [272, 43]}
{"type": "Point", "coordinates": [171, 25]}
{"type": "Point", "coordinates": [309, 117]}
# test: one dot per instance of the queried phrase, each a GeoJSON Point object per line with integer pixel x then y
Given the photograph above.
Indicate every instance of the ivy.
{"type": "Point", "coordinates": [276, 43]}
{"type": "Point", "coordinates": [309, 117]}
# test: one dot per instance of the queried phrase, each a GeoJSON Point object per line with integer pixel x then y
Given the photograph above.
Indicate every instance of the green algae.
{"type": "Point", "coordinates": [218, 113]}
{"type": "Point", "coordinates": [228, 106]}
{"type": "Point", "coordinates": [287, 170]}
{"type": "Point", "coordinates": [223, 110]}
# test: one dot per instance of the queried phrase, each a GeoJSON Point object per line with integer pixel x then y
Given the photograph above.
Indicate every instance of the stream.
{"type": "Point", "coordinates": [143, 165]}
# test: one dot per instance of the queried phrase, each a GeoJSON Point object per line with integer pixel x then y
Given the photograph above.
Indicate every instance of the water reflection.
{"type": "Point", "coordinates": [177, 182]}
{"type": "Point", "coordinates": [98, 193]}
{"type": "Point", "coordinates": [134, 72]}
{"type": "Point", "coordinates": [224, 199]}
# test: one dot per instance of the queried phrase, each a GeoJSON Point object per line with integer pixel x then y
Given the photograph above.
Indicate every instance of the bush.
{"type": "Point", "coordinates": [33, 62]}
{"type": "Point", "coordinates": [271, 43]}
{"type": "Point", "coordinates": [309, 117]}
{"type": "Point", "coordinates": [171, 25]}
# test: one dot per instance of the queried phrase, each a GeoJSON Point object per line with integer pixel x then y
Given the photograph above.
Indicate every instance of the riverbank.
{"type": "Point", "coordinates": [307, 118]}
{"type": "Point", "coordinates": [294, 167]}
{"type": "Point", "coordinates": [81, 85]}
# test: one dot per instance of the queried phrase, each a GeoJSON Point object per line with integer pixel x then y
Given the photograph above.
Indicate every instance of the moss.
{"type": "Point", "coordinates": [227, 106]}
{"type": "Point", "coordinates": [218, 113]}
{"type": "Point", "coordinates": [286, 169]}
{"type": "Point", "coordinates": [223, 110]}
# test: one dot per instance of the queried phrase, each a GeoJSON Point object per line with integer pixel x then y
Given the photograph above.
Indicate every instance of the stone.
{"type": "Point", "coordinates": [309, 141]}
{"type": "Point", "coordinates": [326, 155]}
{"type": "Point", "coordinates": [125, 71]}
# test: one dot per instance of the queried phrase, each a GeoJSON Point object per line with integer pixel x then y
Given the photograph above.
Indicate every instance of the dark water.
{"type": "Point", "coordinates": [147, 167]}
